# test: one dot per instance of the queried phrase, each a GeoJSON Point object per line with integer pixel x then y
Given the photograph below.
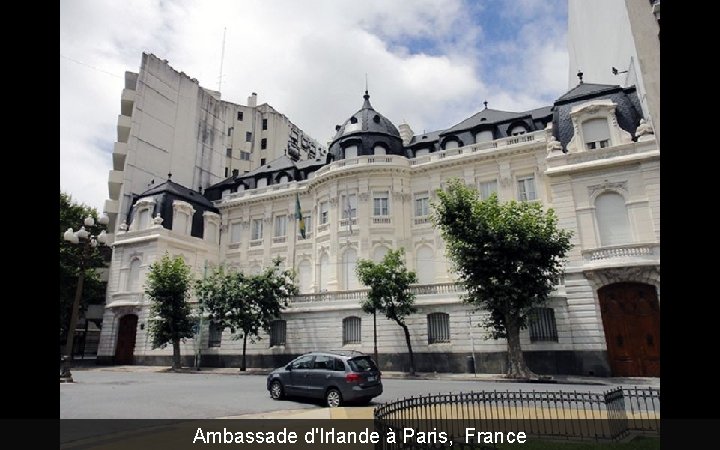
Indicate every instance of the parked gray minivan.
{"type": "Point", "coordinates": [336, 375]}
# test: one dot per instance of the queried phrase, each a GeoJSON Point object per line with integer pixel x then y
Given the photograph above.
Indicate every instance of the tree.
{"type": "Point", "coordinates": [509, 256]}
{"type": "Point", "coordinates": [167, 287]}
{"type": "Point", "coordinates": [389, 281]}
{"type": "Point", "coordinates": [246, 304]}
{"type": "Point", "coordinates": [72, 215]}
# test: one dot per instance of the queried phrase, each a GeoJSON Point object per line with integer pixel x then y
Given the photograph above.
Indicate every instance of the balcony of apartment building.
{"type": "Point", "coordinates": [119, 155]}
{"type": "Point", "coordinates": [123, 128]}
{"type": "Point", "coordinates": [115, 181]}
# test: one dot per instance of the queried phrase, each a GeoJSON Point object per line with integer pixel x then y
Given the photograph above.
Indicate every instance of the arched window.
{"type": "Point", "coordinates": [612, 219]}
{"type": "Point", "coordinates": [451, 144]}
{"type": "Point", "coordinates": [324, 272]}
{"type": "Point", "coordinates": [517, 130]}
{"type": "Point", "coordinates": [261, 182]}
{"type": "Point", "coordinates": [133, 280]}
{"type": "Point", "coordinates": [349, 276]}
{"type": "Point", "coordinates": [379, 253]}
{"type": "Point", "coordinates": [484, 136]}
{"type": "Point", "coordinates": [438, 328]}
{"type": "Point", "coordinates": [351, 152]}
{"type": "Point", "coordinates": [425, 265]}
{"type": "Point", "coordinates": [351, 330]}
{"type": "Point", "coordinates": [379, 150]}
{"type": "Point", "coordinates": [305, 276]}
{"type": "Point", "coordinates": [596, 133]}
{"type": "Point", "coordinates": [283, 179]}
{"type": "Point", "coordinates": [422, 152]}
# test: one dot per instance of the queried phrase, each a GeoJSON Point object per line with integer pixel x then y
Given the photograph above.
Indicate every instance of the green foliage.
{"type": "Point", "coordinates": [509, 255]}
{"type": "Point", "coordinates": [246, 303]}
{"type": "Point", "coordinates": [167, 287]}
{"type": "Point", "coordinates": [72, 216]}
{"type": "Point", "coordinates": [389, 281]}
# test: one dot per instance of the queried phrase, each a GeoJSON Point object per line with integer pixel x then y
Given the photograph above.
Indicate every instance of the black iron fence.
{"type": "Point", "coordinates": [601, 416]}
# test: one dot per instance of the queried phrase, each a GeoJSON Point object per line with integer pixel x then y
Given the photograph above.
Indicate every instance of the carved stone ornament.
{"type": "Point", "coordinates": [607, 186]}
{"type": "Point", "coordinates": [365, 196]}
{"type": "Point", "coordinates": [554, 147]}
{"type": "Point", "coordinates": [123, 227]}
{"type": "Point", "coordinates": [157, 221]}
{"type": "Point", "coordinates": [644, 131]}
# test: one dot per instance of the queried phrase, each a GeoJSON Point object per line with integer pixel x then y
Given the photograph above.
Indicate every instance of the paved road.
{"type": "Point", "coordinates": [101, 394]}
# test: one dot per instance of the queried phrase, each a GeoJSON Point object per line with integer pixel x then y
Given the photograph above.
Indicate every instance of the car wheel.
{"type": "Point", "coordinates": [333, 398]}
{"type": "Point", "coordinates": [276, 390]}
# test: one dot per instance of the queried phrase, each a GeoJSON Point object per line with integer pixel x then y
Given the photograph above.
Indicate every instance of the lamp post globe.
{"type": "Point", "coordinates": [87, 243]}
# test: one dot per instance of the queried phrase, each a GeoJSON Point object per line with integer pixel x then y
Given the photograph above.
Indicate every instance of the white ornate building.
{"type": "Point", "coordinates": [590, 155]}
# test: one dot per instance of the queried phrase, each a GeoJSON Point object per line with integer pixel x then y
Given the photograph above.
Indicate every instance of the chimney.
{"type": "Point", "coordinates": [252, 100]}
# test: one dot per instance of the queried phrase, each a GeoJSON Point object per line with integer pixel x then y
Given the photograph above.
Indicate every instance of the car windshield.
{"type": "Point", "coordinates": [362, 364]}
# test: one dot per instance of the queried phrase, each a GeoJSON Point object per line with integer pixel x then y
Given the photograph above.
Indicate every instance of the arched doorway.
{"type": "Point", "coordinates": [127, 328]}
{"type": "Point", "coordinates": [631, 319]}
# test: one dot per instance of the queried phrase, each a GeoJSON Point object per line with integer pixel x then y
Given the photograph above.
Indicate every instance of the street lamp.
{"type": "Point", "coordinates": [87, 242]}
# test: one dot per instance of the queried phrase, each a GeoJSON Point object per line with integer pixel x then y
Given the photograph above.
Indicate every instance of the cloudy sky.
{"type": "Point", "coordinates": [430, 63]}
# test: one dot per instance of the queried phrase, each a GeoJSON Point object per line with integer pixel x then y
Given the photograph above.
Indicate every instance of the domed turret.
{"type": "Point", "coordinates": [367, 132]}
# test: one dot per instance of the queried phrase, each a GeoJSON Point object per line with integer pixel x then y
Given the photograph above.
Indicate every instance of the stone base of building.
{"type": "Point", "coordinates": [567, 362]}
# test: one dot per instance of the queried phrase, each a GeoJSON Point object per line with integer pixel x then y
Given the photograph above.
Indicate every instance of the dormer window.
{"type": "Point", "coordinates": [353, 119]}
{"type": "Point", "coordinates": [517, 130]}
{"type": "Point", "coordinates": [596, 133]}
{"type": "Point", "coordinates": [351, 152]}
{"type": "Point", "coordinates": [484, 136]}
{"type": "Point", "coordinates": [262, 182]}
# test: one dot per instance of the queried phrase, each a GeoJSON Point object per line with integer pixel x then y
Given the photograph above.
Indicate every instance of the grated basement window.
{"type": "Point", "coordinates": [351, 330]}
{"type": "Point", "coordinates": [438, 328]}
{"type": "Point", "coordinates": [542, 325]}
{"type": "Point", "coordinates": [277, 333]}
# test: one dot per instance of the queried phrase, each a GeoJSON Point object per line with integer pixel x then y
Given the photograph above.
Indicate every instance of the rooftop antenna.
{"type": "Point", "coordinates": [222, 59]}
{"type": "Point", "coordinates": [580, 75]}
{"type": "Point", "coordinates": [366, 83]}
{"type": "Point", "coordinates": [485, 103]}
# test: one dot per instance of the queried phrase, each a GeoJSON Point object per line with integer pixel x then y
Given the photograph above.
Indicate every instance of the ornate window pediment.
{"type": "Point", "coordinates": [595, 126]}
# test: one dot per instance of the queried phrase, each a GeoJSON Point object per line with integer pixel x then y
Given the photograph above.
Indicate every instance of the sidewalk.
{"type": "Point", "coordinates": [391, 375]}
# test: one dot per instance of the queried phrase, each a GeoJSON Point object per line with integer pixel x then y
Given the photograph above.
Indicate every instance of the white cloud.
{"type": "Point", "coordinates": [307, 59]}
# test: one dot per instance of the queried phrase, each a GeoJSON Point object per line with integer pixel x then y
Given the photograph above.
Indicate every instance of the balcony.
{"type": "Point", "coordinates": [123, 128]}
{"type": "Point", "coordinates": [381, 220]}
{"type": "Point", "coordinates": [127, 100]}
{"type": "Point", "coordinates": [119, 155]}
{"type": "Point", "coordinates": [279, 240]}
{"type": "Point", "coordinates": [359, 294]}
{"type": "Point", "coordinates": [111, 207]}
{"type": "Point", "coordinates": [622, 255]}
{"type": "Point", "coordinates": [115, 181]}
{"type": "Point", "coordinates": [422, 220]}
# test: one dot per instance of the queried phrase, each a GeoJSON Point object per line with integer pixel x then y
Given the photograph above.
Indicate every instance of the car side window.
{"type": "Point", "coordinates": [338, 365]}
{"type": "Point", "coordinates": [323, 363]}
{"type": "Point", "coordinates": [304, 362]}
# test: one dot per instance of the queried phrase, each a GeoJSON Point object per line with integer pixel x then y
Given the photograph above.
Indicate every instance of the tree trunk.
{"type": "Point", "coordinates": [409, 346]}
{"type": "Point", "coordinates": [176, 365]}
{"type": "Point", "coordinates": [243, 366]}
{"type": "Point", "coordinates": [516, 362]}
{"type": "Point", "coordinates": [375, 335]}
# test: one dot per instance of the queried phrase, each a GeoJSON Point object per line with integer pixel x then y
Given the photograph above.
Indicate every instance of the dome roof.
{"type": "Point", "coordinates": [369, 127]}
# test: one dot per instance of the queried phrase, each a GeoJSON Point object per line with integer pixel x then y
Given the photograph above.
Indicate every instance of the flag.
{"type": "Point", "coordinates": [298, 216]}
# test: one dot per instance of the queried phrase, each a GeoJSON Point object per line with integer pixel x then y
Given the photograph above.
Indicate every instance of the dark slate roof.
{"type": "Point", "coordinates": [486, 116]}
{"type": "Point", "coordinates": [541, 113]}
{"type": "Point", "coordinates": [303, 163]}
{"type": "Point", "coordinates": [425, 137]}
{"type": "Point", "coordinates": [283, 162]}
{"type": "Point", "coordinates": [367, 122]}
{"type": "Point", "coordinates": [179, 191]}
{"type": "Point", "coordinates": [584, 90]}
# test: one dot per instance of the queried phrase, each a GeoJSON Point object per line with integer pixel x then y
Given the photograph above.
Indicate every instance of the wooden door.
{"type": "Point", "coordinates": [631, 319]}
{"type": "Point", "coordinates": [126, 339]}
